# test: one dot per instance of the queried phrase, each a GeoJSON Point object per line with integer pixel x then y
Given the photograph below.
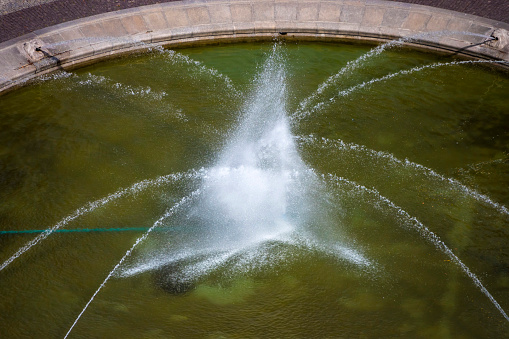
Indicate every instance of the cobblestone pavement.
{"type": "Point", "coordinates": [18, 17]}
{"type": "Point", "coordinates": [8, 6]}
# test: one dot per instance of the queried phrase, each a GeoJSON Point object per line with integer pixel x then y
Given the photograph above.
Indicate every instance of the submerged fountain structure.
{"type": "Point", "coordinates": [287, 202]}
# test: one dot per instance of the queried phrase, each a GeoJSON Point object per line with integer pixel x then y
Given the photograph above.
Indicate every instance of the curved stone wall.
{"type": "Point", "coordinates": [86, 40]}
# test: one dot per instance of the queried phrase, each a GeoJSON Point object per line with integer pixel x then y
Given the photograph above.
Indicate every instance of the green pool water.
{"type": "Point", "coordinates": [408, 159]}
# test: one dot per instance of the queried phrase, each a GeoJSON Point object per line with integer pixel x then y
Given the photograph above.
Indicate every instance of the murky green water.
{"type": "Point", "coordinates": [427, 148]}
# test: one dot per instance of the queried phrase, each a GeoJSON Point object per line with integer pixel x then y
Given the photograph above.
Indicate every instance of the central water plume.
{"type": "Point", "coordinates": [252, 189]}
{"type": "Point", "coordinates": [257, 203]}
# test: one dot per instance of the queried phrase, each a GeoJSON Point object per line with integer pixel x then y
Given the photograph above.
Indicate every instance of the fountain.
{"type": "Point", "coordinates": [359, 205]}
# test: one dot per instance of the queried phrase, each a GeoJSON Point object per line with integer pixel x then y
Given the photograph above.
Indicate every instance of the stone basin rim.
{"type": "Point", "coordinates": [91, 39]}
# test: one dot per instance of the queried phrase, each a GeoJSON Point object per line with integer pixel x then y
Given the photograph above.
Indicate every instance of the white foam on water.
{"type": "Point", "coordinates": [56, 76]}
{"type": "Point", "coordinates": [119, 89]}
{"type": "Point", "coordinates": [414, 223]}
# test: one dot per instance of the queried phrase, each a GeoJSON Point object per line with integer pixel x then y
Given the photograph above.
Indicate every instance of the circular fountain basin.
{"type": "Point", "coordinates": [367, 197]}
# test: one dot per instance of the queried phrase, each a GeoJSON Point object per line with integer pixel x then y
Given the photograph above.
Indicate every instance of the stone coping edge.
{"type": "Point", "coordinates": [87, 40]}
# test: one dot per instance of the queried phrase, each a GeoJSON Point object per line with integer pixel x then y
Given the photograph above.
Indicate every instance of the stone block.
{"type": "Point", "coordinates": [458, 25]}
{"type": "Point", "coordinates": [15, 56]}
{"type": "Point", "coordinates": [285, 11]}
{"type": "Point", "coordinates": [155, 21]}
{"type": "Point", "coordinates": [9, 76]}
{"type": "Point", "coordinates": [73, 33]}
{"type": "Point", "coordinates": [92, 30]}
{"type": "Point", "coordinates": [241, 13]}
{"type": "Point", "coordinates": [286, 26]}
{"type": "Point", "coordinates": [308, 11]}
{"type": "Point", "coordinates": [78, 50]}
{"type": "Point", "coordinates": [437, 23]}
{"type": "Point", "coordinates": [329, 12]}
{"type": "Point", "coordinates": [391, 32]}
{"type": "Point", "coordinates": [223, 29]}
{"type": "Point", "coordinates": [50, 43]}
{"type": "Point", "coordinates": [263, 11]}
{"type": "Point", "coordinates": [198, 15]}
{"type": "Point", "coordinates": [54, 44]}
{"type": "Point", "coordinates": [328, 27]}
{"type": "Point", "coordinates": [203, 30]}
{"type": "Point", "coordinates": [162, 35]}
{"type": "Point", "coordinates": [308, 27]}
{"type": "Point", "coordinates": [113, 28]}
{"type": "Point", "coordinates": [370, 31]}
{"type": "Point", "coordinates": [244, 27]}
{"type": "Point", "coordinates": [394, 18]}
{"type": "Point", "coordinates": [453, 43]}
{"type": "Point", "coordinates": [480, 29]}
{"type": "Point", "coordinates": [220, 14]}
{"type": "Point", "coordinates": [265, 27]}
{"type": "Point", "coordinates": [349, 28]}
{"type": "Point", "coordinates": [352, 14]}
{"type": "Point", "coordinates": [373, 16]}
{"type": "Point", "coordinates": [176, 17]}
{"type": "Point", "coordinates": [416, 21]}
{"type": "Point", "coordinates": [134, 24]}
{"type": "Point", "coordinates": [180, 33]}
{"type": "Point", "coordinates": [102, 47]}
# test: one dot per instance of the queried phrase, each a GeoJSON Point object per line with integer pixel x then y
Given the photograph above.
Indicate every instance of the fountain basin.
{"type": "Point", "coordinates": [351, 240]}
{"type": "Point", "coordinates": [393, 221]}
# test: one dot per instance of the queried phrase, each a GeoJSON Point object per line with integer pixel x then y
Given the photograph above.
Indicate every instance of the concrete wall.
{"type": "Point", "coordinates": [87, 40]}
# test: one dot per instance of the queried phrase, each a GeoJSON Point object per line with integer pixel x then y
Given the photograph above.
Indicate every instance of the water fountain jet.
{"type": "Point", "coordinates": [262, 206]}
